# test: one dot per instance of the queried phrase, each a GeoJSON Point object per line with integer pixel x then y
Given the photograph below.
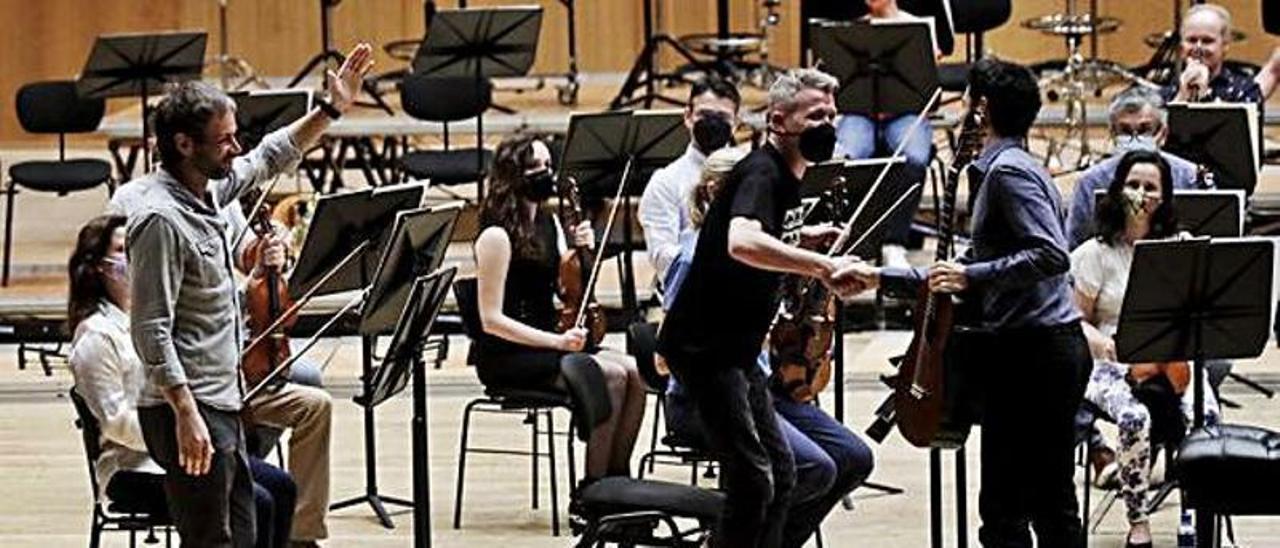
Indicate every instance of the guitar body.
{"type": "Point", "coordinates": [923, 395]}
{"type": "Point", "coordinates": [928, 397]}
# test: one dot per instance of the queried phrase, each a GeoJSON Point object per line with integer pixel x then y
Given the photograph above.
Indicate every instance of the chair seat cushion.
{"type": "Point", "coordinates": [617, 494]}
{"type": "Point", "coordinates": [446, 167]}
{"type": "Point", "coordinates": [519, 397]}
{"type": "Point", "coordinates": [1231, 469]}
{"type": "Point", "coordinates": [61, 177]}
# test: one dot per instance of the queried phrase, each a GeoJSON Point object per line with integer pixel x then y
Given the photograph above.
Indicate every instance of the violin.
{"type": "Point", "coordinates": [577, 266]}
{"type": "Point", "coordinates": [802, 334]}
{"type": "Point", "coordinates": [1179, 373]}
{"type": "Point", "coordinates": [267, 298]}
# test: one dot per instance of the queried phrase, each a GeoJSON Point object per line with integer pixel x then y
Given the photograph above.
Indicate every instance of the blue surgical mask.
{"type": "Point", "coordinates": [1126, 143]}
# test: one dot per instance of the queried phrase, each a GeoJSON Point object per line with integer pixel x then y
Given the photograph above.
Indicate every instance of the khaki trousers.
{"type": "Point", "coordinates": [307, 411]}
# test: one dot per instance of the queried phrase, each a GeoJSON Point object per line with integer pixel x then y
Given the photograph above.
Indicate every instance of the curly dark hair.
{"type": "Point", "coordinates": [504, 193]}
{"type": "Point", "coordinates": [88, 289]}
{"type": "Point", "coordinates": [1110, 218]}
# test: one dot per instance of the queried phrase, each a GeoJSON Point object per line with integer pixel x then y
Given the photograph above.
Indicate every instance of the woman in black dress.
{"type": "Point", "coordinates": [517, 270]}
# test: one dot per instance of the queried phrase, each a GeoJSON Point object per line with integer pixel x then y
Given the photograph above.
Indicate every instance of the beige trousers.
{"type": "Point", "coordinates": [308, 412]}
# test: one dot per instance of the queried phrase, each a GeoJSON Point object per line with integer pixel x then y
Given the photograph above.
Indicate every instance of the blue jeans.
{"type": "Point", "coordinates": [830, 461]}
{"type": "Point", "coordinates": [274, 497]}
{"type": "Point", "coordinates": [856, 140]}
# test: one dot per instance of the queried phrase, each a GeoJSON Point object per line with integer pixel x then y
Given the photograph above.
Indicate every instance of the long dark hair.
{"type": "Point", "coordinates": [88, 289]}
{"type": "Point", "coordinates": [1111, 211]}
{"type": "Point", "coordinates": [504, 193]}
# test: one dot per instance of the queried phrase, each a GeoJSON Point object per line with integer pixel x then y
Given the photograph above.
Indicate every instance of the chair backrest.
{"type": "Point", "coordinates": [56, 107]}
{"type": "Point", "coordinates": [1271, 16]}
{"type": "Point", "coordinates": [91, 435]}
{"type": "Point", "coordinates": [440, 99]}
{"type": "Point", "coordinates": [642, 342]}
{"type": "Point", "coordinates": [466, 292]}
{"type": "Point", "coordinates": [977, 16]}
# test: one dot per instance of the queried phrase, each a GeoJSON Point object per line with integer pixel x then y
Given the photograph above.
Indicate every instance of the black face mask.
{"type": "Point", "coordinates": [711, 133]}
{"type": "Point", "coordinates": [539, 185]}
{"type": "Point", "coordinates": [818, 143]}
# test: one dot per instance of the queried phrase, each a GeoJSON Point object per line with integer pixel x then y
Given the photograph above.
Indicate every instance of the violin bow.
{"type": "Point", "coordinates": [847, 233]}
{"type": "Point", "coordinates": [608, 229]}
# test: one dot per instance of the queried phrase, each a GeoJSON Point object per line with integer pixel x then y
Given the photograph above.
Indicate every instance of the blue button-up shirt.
{"type": "Point", "coordinates": [1080, 218]}
{"type": "Point", "coordinates": [1018, 260]}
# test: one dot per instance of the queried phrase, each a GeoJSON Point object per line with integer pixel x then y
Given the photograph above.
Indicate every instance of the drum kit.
{"type": "Point", "coordinates": [1083, 74]}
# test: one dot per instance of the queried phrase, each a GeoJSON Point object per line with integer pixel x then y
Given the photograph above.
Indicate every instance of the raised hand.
{"type": "Point", "coordinates": [344, 85]}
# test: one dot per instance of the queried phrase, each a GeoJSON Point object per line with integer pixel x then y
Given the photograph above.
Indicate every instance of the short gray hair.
{"type": "Point", "coordinates": [783, 92]}
{"type": "Point", "coordinates": [1221, 12]}
{"type": "Point", "coordinates": [1136, 98]}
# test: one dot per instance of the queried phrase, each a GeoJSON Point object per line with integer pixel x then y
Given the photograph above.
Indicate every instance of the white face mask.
{"type": "Point", "coordinates": [1139, 203]}
{"type": "Point", "coordinates": [117, 269]}
{"type": "Point", "coordinates": [1126, 143]}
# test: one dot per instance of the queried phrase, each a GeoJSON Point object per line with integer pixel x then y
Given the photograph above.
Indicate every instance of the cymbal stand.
{"type": "Point", "coordinates": [1079, 78]}
{"type": "Point", "coordinates": [234, 71]}
{"type": "Point", "coordinates": [330, 58]}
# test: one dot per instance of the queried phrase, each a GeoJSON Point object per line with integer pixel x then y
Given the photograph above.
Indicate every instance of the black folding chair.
{"type": "Point", "coordinates": [47, 108]}
{"type": "Point", "coordinates": [118, 515]}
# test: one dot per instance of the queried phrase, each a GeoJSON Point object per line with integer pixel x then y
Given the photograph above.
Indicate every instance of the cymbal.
{"type": "Point", "coordinates": [1066, 24]}
{"type": "Point", "coordinates": [1156, 39]}
{"type": "Point", "coordinates": [712, 43]}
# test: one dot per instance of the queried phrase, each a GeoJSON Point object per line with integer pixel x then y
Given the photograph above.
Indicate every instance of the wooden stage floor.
{"type": "Point", "coordinates": [43, 472]}
{"type": "Point", "coordinates": [42, 468]}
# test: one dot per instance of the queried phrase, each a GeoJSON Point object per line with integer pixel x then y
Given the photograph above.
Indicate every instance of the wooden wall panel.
{"type": "Point", "coordinates": [51, 38]}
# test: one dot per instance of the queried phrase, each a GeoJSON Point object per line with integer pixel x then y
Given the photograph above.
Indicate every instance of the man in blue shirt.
{"type": "Point", "coordinates": [1138, 121]}
{"type": "Point", "coordinates": [1017, 269]}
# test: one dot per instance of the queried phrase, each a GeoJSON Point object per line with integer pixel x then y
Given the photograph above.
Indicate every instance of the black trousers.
{"type": "Point", "coordinates": [138, 491]}
{"type": "Point", "coordinates": [215, 510]}
{"type": "Point", "coordinates": [757, 469]}
{"type": "Point", "coordinates": [1034, 386]}
{"type": "Point", "coordinates": [274, 497]}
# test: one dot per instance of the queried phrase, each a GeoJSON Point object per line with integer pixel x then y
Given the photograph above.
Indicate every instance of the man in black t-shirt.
{"type": "Point", "coordinates": [713, 333]}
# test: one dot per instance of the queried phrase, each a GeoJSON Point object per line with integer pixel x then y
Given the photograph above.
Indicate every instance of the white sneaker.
{"type": "Point", "coordinates": [893, 255]}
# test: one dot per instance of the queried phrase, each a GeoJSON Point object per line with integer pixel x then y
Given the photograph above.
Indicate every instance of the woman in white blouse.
{"type": "Point", "coordinates": [108, 375]}
{"type": "Point", "coordinates": [1138, 206]}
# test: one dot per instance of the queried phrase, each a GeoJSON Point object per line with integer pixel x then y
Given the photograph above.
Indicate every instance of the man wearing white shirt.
{"type": "Point", "coordinates": [711, 116]}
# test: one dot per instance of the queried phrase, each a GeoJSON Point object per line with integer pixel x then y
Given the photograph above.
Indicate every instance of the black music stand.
{"type": "Point", "coordinates": [859, 175]}
{"type": "Point", "coordinates": [341, 253]}
{"type": "Point", "coordinates": [416, 247]}
{"type": "Point", "coordinates": [1221, 136]}
{"type": "Point", "coordinates": [342, 223]}
{"type": "Point", "coordinates": [883, 67]}
{"type": "Point", "coordinates": [605, 150]}
{"type": "Point", "coordinates": [1216, 213]}
{"type": "Point", "coordinates": [1196, 300]}
{"type": "Point", "coordinates": [261, 112]}
{"type": "Point", "coordinates": [404, 363]}
{"type": "Point", "coordinates": [480, 43]}
{"type": "Point", "coordinates": [140, 64]}
{"type": "Point", "coordinates": [939, 10]}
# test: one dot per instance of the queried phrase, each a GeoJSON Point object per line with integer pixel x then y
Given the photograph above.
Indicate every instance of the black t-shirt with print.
{"type": "Point", "coordinates": [724, 308]}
